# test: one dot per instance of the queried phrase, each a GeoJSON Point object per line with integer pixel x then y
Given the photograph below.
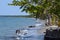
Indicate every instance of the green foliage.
{"type": "Point", "coordinates": [38, 7]}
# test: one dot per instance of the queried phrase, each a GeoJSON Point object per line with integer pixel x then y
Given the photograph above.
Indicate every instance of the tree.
{"type": "Point", "coordinates": [32, 7]}
{"type": "Point", "coordinates": [38, 8]}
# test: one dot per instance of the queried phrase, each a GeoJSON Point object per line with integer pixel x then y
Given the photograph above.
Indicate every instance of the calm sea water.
{"type": "Point", "coordinates": [8, 25]}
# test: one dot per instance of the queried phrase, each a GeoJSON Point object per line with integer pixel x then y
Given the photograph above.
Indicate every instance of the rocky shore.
{"type": "Point", "coordinates": [52, 34]}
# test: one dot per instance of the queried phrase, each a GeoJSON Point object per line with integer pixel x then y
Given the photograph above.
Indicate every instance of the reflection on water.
{"type": "Point", "coordinates": [41, 37]}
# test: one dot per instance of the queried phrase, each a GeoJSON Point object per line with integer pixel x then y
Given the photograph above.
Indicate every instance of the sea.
{"type": "Point", "coordinates": [8, 26]}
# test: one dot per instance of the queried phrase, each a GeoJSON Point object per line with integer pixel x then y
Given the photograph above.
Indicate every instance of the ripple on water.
{"type": "Point", "coordinates": [40, 37]}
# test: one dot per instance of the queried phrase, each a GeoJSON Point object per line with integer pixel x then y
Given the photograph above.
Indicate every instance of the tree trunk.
{"type": "Point", "coordinates": [48, 19]}
{"type": "Point", "coordinates": [59, 23]}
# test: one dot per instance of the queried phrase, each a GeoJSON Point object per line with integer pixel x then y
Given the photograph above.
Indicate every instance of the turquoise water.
{"type": "Point", "coordinates": [8, 25]}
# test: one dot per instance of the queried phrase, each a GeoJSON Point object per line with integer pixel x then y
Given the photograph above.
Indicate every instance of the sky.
{"type": "Point", "coordinates": [6, 9]}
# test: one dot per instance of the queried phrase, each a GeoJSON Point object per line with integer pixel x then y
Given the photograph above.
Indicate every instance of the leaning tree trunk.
{"type": "Point", "coordinates": [48, 21]}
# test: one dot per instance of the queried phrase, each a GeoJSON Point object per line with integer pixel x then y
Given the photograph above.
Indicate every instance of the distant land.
{"type": "Point", "coordinates": [15, 16]}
